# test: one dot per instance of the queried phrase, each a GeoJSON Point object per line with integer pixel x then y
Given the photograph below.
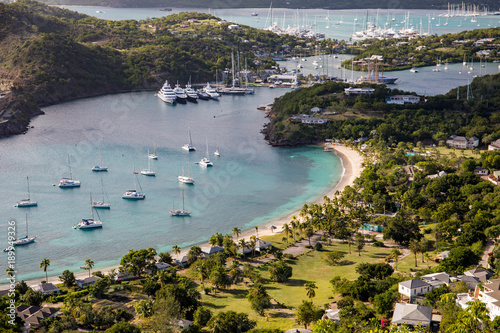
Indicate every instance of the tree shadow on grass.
{"type": "Point", "coordinates": [378, 255]}
{"type": "Point", "coordinates": [346, 263]}
{"type": "Point", "coordinates": [279, 314]}
{"type": "Point", "coordinates": [237, 293]}
{"type": "Point", "coordinates": [213, 306]}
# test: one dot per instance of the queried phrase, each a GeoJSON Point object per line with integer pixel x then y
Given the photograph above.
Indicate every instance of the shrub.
{"type": "Point", "coordinates": [318, 246]}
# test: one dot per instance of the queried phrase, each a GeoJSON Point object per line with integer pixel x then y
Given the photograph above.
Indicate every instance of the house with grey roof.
{"type": "Point", "coordinates": [481, 273]}
{"type": "Point", "coordinates": [182, 262]}
{"type": "Point", "coordinates": [412, 314]}
{"type": "Point", "coordinates": [470, 281]}
{"type": "Point", "coordinates": [440, 279]}
{"type": "Point", "coordinates": [259, 246]}
{"type": "Point", "coordinates": [412, 288]}
{"type": "Point", "coordinates": [495, 145]}
{"type": "Point", "coordinates": [34, 315]}
{"type": "Point", "coordinates": [87, 281]}
{"type": "Point", "coordinates": [462, 142]}
{"type": "Point", "coordinates": [208, 251]}
{"type": "Point", "coordinates": [48, 288]}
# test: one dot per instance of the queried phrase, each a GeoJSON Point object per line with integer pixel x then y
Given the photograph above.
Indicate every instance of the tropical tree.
{"type": "Point", "coordinates": [45, 264]}
{"type": "Point", "coordinates": [286, 229]}
{"type": "Point", "coordinates": [359, 240]}
{"type": "Point", "coordinates": [310, 286]}
{"type": "Point", "coordinates": [237, 232]}
{"type": "Point", "coordinates": [177, 250]}
{"type": "Point", "coordinates": [253, 243]}
{"type": "Point", "coordinates": [89, 264]}
{"type": "Point", "coordinates": [395, 253]}
{"type": "Point", "coordinates": [242, 244]}
{"type": "Point", "coordinates": [259, 298]}
{"type": "Point", "coordinates": [257, 231]}
{"type": "Point", "coordinates": [307, 314]}
{"type": "Point", "coordinates": [68, 278]}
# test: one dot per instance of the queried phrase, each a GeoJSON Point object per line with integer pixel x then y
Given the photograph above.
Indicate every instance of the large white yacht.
{"type": "Point", "coordinates": [211, 91]}
{"type": "Point", "coordinates": [192, 96]}
{"type": "Point", "coordinates": [167, 94]}
{"type": "Point", "coordinates": [186, 179]}
{"type": "Point", "coordinates": [179, 93]}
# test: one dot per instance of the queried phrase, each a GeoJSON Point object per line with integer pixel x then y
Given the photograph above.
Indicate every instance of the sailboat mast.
{"type": "Point", "coordinates": [102, 190]}
{"type": "Point", "coordinates": [69, 165]}
{"type": "Point", "coordinates": [232, 65]}
{"type": "Point", "coordinates": [26, 224]}
{"type": "Point", "coordinates": [183, 200]}
{"type": "Point", "coordinates": [91, 208]}
{"type": "Point", "coordinates": [28, 183]}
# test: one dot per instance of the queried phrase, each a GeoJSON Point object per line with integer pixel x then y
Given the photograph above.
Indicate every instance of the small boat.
{"type": "Point", "coordinates": [133, 194]}
{"type": "Point", "coordinates": [21, 241]}
{"type": "Point", "coordinates": [186, 179]}
{"type": "Point", "coordinates": [153, 156]}
{"type": "Point", "coordinates": [211, 92]}
{"type": "Point", "coordinates": [255, 14]}
{"type": "Point", "coordinates": [148, 171]}
{"type": "Point", "coordinates": [216, 152]}
{"type": "Point", "coordinates": [26, 202]}
{"type": "Point", "coordinates": [89, 223]}
{"type": "Point", "coordinates": [205, 161]}
{"type": "Point", "coordinates": [182, 212]}
{"type": "Point", "coordinates": [414, 70]}
{"type": "Point", "coordinates": [189, 146]}
{"type": "Point", "coordinates": [101, 204]}
{"type": "Point", "coordinates": [69, 182]}
{"type": "Point", "coordinates": [97, 167]}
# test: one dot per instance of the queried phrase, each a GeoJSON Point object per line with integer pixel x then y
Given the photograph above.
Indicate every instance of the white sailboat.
{"type": "Point", "coordinates": [26, 202]}
{"type": "Point", "coordinates": [153, 156]}
{"type": "Point", "coordinates": [99, 167]}
{"type": "Point", "coordinates": [182, 212]}
{"type": "Point", "coordinates": [148, 171]}
{"type": "Point", "coordinates": [186, 179]}
{"type": "Point", "coordinates": [90, 223]}
{"type": "Point", "coordinates": [69, 182]}
{"type": "Point", "coordinates": [133, 194]}
{"type": "Point", "coordinates": [22, 241]}
{"type": "Point", "coordinates": [205, 161]}
{"type": "Point", "coordinates": [189, 146]}
{"type": "Point", "coordinates": [101, 204]}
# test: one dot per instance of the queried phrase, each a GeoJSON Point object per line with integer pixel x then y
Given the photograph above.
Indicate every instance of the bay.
{"type": "Point", "coordinates": [250, 183]}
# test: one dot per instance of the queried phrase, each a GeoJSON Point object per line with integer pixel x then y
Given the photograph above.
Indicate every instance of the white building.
{"type": "Point", "coordinates": [490, 295]}
{"type": "Point", "coordinates": [462, 142]}
{"type": "Point", "coordinates": [402, 99]}
{"type": "Point", "coordinates": [495, 145]}
{"type": "Point", "coordinates": [412, 288]}
{"type": "Point", "coordinates": [481, 171]}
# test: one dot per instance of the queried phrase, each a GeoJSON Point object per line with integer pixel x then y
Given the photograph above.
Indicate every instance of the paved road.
{"type": "Point", "coordinates": [489, 248]}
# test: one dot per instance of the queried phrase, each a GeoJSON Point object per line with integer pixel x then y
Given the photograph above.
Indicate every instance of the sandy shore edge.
{"type": "Point", "coordinates": [352, 166]}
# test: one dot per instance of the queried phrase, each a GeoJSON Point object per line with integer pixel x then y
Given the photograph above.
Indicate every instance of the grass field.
{"type": "Point", "coordinates": [307, 267]}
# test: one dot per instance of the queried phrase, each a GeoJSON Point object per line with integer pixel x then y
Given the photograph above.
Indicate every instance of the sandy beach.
{"type": "Point", "coordinates": [352, 167]}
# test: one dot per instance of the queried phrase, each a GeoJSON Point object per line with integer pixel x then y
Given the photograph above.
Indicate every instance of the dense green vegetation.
{"type": "Point", "coordinates": [431, 121]}
{"type": "Point", "coordinates": [431, 4]}
{"type": "Point", "coordinates": [49, 54]}
{"type": "Point", "coordinates": [424, 51]}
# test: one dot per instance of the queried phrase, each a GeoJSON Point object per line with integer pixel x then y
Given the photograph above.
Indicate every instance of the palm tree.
{"type": "Point", "coordinates": [236, 232]}
{"type": "Point", "coordinates": [253, 242]}
{"type": "Point", "coordinates": [395, 253]}
{"type": "Point", "coordinates": [177, 250]}
{"type": "Point", "coordinates": [242, 244]}
{"type": "Point", "coordinates": [310, 286]}
{"type": "Point", "coordinates": [286, 229]}
{"type": "Point", "coordinates": [44, 264]}
{"type": "Point", "coordinates": [257, 231]}
{"type": "Point", "coordinates": [89, 264]}
{"type": "Point", "coordinates": [415, 248]}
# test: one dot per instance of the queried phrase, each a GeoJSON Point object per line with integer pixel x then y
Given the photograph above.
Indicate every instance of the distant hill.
{"type": "Point", "coordinates": [49, 55]}
{"type": "Point", "coordinates": [326, 4]}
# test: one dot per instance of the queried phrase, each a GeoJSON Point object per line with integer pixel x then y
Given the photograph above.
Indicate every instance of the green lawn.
{"type": "Point", "coordinates": [308, 267]}
{"type": "Point", "coordinates": [445, 151]}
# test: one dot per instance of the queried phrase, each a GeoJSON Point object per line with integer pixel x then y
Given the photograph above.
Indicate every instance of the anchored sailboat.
{"type": "Point", "coordinates": [22, 241]}
{"type": "Point", "coordinates": [153, 156]}
{"type": "Point", "coordinates": [90, 223]}
{"type": "Point", "coordinates": [26, 202]}
{"type": "Point", "coordinates": [69, 182]}
{"type": "Point", "coordinates": [133, 194]}
{"type": "Point", "coordinates": [101, 204]}
{"type": "Point", "coordinates": [182, 212]}
{"type": "Point", "coordinates": [189, 146]}
{"type": "Point", "coordinates": [205, 161]}
{"type": "Point", "coordinates": [186, 179]}
{"type": "Point", "coordinates": [97, 167]}
{"type": "Point", "coordinates": [148, 171]}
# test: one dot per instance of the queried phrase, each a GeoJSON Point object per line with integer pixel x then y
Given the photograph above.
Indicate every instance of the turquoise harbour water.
{"type": "Point", "coordinates": [250, 183]}
{"type": "Point", "coordinates": [335, 24]}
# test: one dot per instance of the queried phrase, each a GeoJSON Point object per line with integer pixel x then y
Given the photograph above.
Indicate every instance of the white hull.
{"type": "Point", "coordinates": [89, 224]}
{"type": "Point", "coordinates": [98, 168]}
{"type": "Point", "coordinates": [185, 180]}
{"type": "Point", "coordinates": [69, 183]}
{"type": "Point", "coordinates": [188, 147]}
{"type": "Point", "coordinates": [98, 204]}
{"type": "Point", "coordinates": [26, 203]}
{"type": "Point", "coordinates": [179, 213]}
{"type": "Point", "coordinates": [133, 195]}
{"type": "Point", "coordinates": [148, 173]}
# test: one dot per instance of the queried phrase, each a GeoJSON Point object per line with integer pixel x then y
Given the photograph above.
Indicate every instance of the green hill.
{"type": "Point", "coordinates": [48, 55]}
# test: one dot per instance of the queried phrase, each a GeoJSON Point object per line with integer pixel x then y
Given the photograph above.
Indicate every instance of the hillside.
{"type": "Point", "coordinates": [336, 4]}
{"type": "Point", "coordinates": [351, 117]}
{"type": "Point", "coordinates": [49, 55]}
